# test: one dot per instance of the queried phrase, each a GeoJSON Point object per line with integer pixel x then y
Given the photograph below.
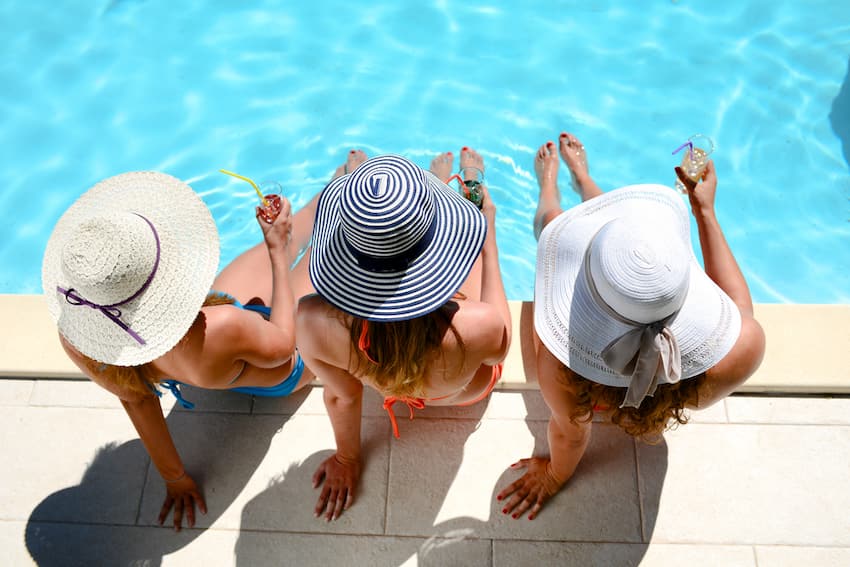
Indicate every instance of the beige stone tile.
{"type": "Point", "coordinates": [787, 556]}
{"type": "Point", "coordinates": [807, 348]}
{"type": "Point", "coordinates": [13, 544]}
{"type": "Point", "coordinates": [748, 484]}
{"type": "Point", "coordinates": [782, 410]}
{"type": "Point", "coordinates": [24, 317]}
{"type": "Point", "coordinates": [308, 401]}
{"type": "Point", "coordinates": [715, 413]}
{"type": "Point", "coordinates": [72, 394]}
{"type": "Point", "coordinates": [333, 549]}
{"type": "Point", "coordinates": [444, 476]}
{"type": "Point", "coordinates": [208, 400]}
{"type": "Point", "coordinates": [510, 553]}
{"type": "Point", "coordinates": [15, 392]}
{"type": "Point", "coordinates": [64, 464]}
{"type": "Point", "coordinates": [256, 472]}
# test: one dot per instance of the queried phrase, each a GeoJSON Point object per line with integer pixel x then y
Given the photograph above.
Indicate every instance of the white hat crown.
{"type": "Point", "coordinates": [107, 259]}
{"type": "Point", "coordinates": [640, 270]}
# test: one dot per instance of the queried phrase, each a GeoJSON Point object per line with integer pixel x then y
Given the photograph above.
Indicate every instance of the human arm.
{"type": "Point", "coordinates": [720, 265]}
{"type": "Point", "coordinates": [492, 287]}
{"type": "Point", "coordinates": [146, 415]}
{"type": "Point", "coordinates": [567, 443]}
{"type": "Point", "coordinates": [342, 394]}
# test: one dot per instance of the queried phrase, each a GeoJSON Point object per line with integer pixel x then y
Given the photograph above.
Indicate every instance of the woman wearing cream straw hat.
{"type": "Point", "coordinates": [129, 274]}
{"type": "Point", "coordinates": [410, 301]}
{"type": "Point", "coordinates": [628, 322]}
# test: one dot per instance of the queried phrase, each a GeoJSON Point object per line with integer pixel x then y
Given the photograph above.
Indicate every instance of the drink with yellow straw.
{"type": "Point", "coordinates": [270, 194]}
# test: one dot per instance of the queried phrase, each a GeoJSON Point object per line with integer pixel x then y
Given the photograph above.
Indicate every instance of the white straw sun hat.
{"type": "Point", "coordinates": [128, 267]}
{"type": "Point", "coordinates": [391, 242]}
{"type": "Point", "coordinates": [620, 298]}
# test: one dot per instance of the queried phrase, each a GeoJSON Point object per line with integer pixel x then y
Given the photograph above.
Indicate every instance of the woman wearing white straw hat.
{"type": "Point", "coordinates": [410, 301]}
{"type": "Point", "coordinates": [129, 275]}
{"type": "Point", "coordinates": [629, 324]}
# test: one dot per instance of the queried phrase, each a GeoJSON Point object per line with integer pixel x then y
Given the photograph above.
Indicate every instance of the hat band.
{"type": "Point", "coordinates": [111, 311]}
{"type": "Point", "coordinates": [396, 263]}
{"type": "Point", "coordinates": [649, 352]}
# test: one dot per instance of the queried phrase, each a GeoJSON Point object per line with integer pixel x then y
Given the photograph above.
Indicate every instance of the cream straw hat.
{"type": "Point", "coordinates": [128, 267]}
{"type": "Point", "coordinates": [620, 298]}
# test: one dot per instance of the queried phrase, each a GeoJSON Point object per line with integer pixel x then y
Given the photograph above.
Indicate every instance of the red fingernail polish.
{"type": "Point", "coordinates": [515, 516]}
{"type": "Point", "coordinates": [463, 149]}
{"type": "Point", "coordinates": [563, 134]}
{"type": "Point", "coordinates": [499, 498]}
{"type": "Point", "coordinates": [531, 517]}
{"type": "Point", "coordinates": [504, 510]}
{"type": "Point", "coordinates": [549, 144]}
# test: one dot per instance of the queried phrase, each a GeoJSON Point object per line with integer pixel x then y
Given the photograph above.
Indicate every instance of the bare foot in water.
{"type": "Point", "coordinates": [354, 159]}
{"type": "Point", "coordinates": [549, 202]}
{"type": "Point", "coordinates": [574, 155]}
{"type": "Point", "coordinates": [471, 164]}
{"type": "Point", "coordinates": [441, 166]}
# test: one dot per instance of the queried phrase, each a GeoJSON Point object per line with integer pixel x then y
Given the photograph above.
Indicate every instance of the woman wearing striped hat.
{"type": "Point", "coordinates": [409, 301]}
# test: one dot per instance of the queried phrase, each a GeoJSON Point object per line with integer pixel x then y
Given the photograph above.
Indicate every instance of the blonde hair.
{"type": "Point", "coordinates": [141, 379]}
{"type": "Point", "coordinates": [394, 355]}
{"type": "Point", "coordinates": [663, 410]}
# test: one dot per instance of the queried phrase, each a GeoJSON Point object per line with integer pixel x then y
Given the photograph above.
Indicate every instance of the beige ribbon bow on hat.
{"type": "Point", "coordinates": [650, 354]}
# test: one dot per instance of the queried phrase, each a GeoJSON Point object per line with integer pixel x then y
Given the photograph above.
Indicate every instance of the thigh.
{"type": "Point", "coordinates": [248, 276]}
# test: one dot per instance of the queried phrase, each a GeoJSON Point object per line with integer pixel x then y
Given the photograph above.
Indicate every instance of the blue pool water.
{"type": "Point", "coordinates": [282, 90]}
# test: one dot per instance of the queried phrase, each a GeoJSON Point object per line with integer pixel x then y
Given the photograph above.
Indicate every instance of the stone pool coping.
{"type": "Point", "coordinates": [807, 347]}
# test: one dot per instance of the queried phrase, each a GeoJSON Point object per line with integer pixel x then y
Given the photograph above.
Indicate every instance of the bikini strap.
{"type": "Point", "coordinates": [364, 343]}
{"type": "Point", "coordinates": [174, 386]}
{"type": "Point", "coordinates": [412, 403]}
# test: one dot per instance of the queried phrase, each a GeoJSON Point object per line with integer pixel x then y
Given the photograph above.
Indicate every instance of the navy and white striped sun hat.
{"type": "Point", "coordinates": [391, 242]}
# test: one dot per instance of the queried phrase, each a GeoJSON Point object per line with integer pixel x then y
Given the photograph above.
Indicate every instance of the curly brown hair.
{"type": "Point", "coordinates": [141, 379]}
{"type": "Point", "coordinates": [397, 353]}
{"type": "Point", "coordinates": [663, 410]}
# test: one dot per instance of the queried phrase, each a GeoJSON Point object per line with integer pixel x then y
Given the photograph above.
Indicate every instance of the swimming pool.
{"type": "Point", "coordinates": [282, 90]}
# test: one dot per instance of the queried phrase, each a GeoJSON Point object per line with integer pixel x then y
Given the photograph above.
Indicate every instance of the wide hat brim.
{"type": "Point", "coordinates": [428, 282]}
{"type": "Point", "coordinates": [163, 313]}
{"type": "Point", "coordinates": [575, 328]}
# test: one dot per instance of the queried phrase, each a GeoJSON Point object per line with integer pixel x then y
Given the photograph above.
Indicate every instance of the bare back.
{"type": "Point", "coordinates": [454, 374]}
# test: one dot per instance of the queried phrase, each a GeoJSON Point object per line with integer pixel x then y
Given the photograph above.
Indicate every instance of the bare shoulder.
{"type": "Point", "coordinates": [480, 324]}
{"type": "Point", "coordinates": [320, 330]}
{"type": "Point", "coordinates": [746, 355]}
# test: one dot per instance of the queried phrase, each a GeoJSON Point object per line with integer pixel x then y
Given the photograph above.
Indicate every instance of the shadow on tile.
{"type": "Point", "coordinates": [395, 550]}
{"type": "Point", "coordinates": [50, 528]}
{"type": "Point", "coordinates": [601, 503]}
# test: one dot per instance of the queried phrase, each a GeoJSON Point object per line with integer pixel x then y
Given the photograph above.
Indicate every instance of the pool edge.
{"type": "Point", "coordinates": [806, 347]}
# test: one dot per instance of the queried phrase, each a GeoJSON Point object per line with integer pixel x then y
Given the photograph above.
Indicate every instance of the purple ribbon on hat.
{"type": "Point", "coordinates": [111, 311]}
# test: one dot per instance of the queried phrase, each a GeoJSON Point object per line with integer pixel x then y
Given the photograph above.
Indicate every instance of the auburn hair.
{"type": "Point", "coordinates": [141, 378]}
{"type": "Point", "coordinates": [663, 410]}
{"type": "Point", "coordinates": [394, 355]}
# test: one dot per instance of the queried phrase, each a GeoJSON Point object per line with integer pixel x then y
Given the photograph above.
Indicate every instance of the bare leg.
{"type": "Point", "coordinates": [441, 166]}
{"type": "Point", "coordinates": [549, 201]}
{"type": "Point", "coordinates": [302, 221]}
{"type": "Point", "coordinates": [574, 155]}
{"type": "Point", "coordinates": [249, 276]}
{"type": "Point", "coordinates": [470, 162]}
